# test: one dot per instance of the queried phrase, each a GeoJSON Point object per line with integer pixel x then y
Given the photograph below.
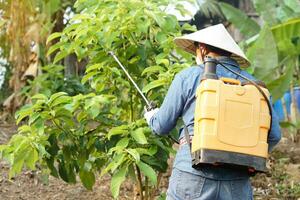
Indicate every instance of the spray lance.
{"type": "Point", "coordinates": [150, 104]}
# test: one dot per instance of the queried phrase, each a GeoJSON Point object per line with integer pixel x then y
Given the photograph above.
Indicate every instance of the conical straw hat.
{"type": "Point", "coordinates": [216, 36]}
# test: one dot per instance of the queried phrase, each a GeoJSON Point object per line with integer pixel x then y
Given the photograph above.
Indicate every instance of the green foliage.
{"type": "Point", "coordinates": [277, 11]}
{"type": "Point", "coordinates": [286, 187]}
{"type": "Point", "coordinates": [52, 80]}
{"type": "Point", "coordinates": [117, 180]}
{"type": "Point", "coordinates": [4, 90]}
{"type": "Point", "coordinates": [274, 51]}
{"type": "Point", "coordinates": [263, 55]}
{"type": "Point", "coordinates": [102, 131]}
{"type": "Point", "coordinates": [209, 8]}
{"type": "Point", "coordinates": [241, 21]}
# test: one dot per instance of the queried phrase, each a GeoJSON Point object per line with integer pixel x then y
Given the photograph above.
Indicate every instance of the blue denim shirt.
{"type": "Point", "coordinates": [180, 102]}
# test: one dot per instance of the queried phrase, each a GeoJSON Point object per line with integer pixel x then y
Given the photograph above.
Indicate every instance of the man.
{"type": "Point", "coordinates": [214, 182]}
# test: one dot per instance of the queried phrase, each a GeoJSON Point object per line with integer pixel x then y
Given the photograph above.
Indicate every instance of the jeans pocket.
{"type": "Point", "coordinates": [189, 186]}
{"type": "Point", "coordinates": [241, 190]}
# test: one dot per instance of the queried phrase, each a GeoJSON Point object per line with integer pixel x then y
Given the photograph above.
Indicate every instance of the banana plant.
{"type": "Point", "coordinates": [273, 49]}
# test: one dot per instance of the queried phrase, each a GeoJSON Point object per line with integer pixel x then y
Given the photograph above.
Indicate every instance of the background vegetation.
{"type": "Point", "coordinates": [82, 117]}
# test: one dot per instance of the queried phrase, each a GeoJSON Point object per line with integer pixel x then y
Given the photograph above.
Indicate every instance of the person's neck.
{"type": "Point", "coordinates": [213, 55]}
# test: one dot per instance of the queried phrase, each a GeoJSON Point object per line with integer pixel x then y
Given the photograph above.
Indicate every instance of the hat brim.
{"type": "Point", "coordinates": [188, 46]}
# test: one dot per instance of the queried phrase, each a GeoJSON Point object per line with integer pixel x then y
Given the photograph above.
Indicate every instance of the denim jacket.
{"type": "Point", "coordinates": [180, 102]}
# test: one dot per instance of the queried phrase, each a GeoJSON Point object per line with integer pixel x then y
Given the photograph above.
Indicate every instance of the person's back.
{"type": "Point", "coordinates": [211, 182]}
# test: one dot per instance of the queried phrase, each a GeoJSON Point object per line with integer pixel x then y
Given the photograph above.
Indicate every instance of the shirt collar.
{"type": "Point", "coordinates": [228, 60]}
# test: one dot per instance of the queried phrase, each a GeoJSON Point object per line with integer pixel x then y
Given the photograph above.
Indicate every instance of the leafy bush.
{"type": "Point", "coordinates": [52, 80]}
{"type": "Point", "coordinates": [103, 131]}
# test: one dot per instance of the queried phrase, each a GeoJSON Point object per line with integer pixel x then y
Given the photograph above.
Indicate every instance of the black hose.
{"type": "Point", "coordinates": [173, 139]}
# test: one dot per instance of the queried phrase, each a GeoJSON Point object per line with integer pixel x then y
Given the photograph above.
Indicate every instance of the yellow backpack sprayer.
{"type": "Point", "coordinates": [232, 120]}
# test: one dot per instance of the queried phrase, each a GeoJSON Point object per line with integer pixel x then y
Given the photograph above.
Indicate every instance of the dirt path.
{"type": "Point", "coordinates": [282, 181]}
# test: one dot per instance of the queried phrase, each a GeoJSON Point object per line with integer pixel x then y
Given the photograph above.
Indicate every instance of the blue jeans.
{"type": "Point", "coordinates": [188, 186]}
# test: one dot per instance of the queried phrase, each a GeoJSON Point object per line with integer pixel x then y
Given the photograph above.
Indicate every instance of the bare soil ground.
{"type": "Point", "coordinates": [281, 182]}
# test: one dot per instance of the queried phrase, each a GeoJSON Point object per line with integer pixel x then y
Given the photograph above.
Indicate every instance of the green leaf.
{"type": "Point", "coordinates": [24, 112]}
{"type": "Point", "coordinates": [54, 48]}
{"type": "Point", "coordinates": [17, 165]}
{"type": "Point", "coordinates": [66, 172]}
{"type": "Point", "coordinates": [188, 27]}
{"type": "Point", "coordinates": [280, 85]}
{"type": "Point", "coordinates": [267, 10]}
{"type": "Point", "coordinates": [31, 158]}
{"type": "Point", "coordinates": [114, 164]}
{"type": "Point", "coordinates": [240, 20]}
{"type": "Point", "coordinates": [53, 36]}
{"type": "Point", "coordinates": [123, 143]}
{"type": "Point", "coordinates": [93, 67]}
{"type": "Point", "coordinates": [154, 84]}
{"type": "Point", "coordinates": [150, 152]}
{"type": "Point", "coordinates": [153, 69]}
{"type": "Point", "coordinates": [88, 76]}
{"type": "Point", "coordinates": [293, 4]}
{"type": "Point", "coordinates": [139, 136]}
{"type": "Point", "coordinates": [60, 55]}
{"type": "Point", "coordinates": [264, 47]}
{"type": "Point", "coordinates": [287, 125]}
{"type": "Point", "coordinates": [163, 61]}
{"type": "Point", "coordinates": [52, 6]}
{"type": "Point", "coordinates": [117, 179]}
{"type": "Point", "coordinates": [24, 129]}
{"type": "Point", "coordinates": [63, 173]}
{"type": "Point", "coordinates": [287, 30]}
{"type": "Point", "coordinates": [22, 145]}
{"type": "Point", "coordinates": [50, 165]}
{"type": "Point", "coordinates": [134, 154]}
{"type": "Point", "coordinates": [161, 37]}
{"type": "Point", "coordinates": [60, 100]}
{"type": "Point", "coordinates": [40, 97]}
{"type": "Point", "coordinates": [148, 171]}
{"type": "Point", "coordinates": [120, 130]}
{"type": "Point", "coordinates": [55, 96]}
{"type": "Point", "coordinates": [87, 178]}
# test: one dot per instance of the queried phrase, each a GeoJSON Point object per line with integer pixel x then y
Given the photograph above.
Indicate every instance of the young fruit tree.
{"type": "Point", "coordinates": [103, 132]}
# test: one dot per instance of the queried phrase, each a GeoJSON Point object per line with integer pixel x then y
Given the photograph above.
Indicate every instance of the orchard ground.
{"type": "Point", "coordinates": [281, 182]}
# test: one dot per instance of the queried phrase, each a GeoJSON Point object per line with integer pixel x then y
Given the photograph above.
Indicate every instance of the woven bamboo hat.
{"type": "Point", "coordinates": [216, 36]}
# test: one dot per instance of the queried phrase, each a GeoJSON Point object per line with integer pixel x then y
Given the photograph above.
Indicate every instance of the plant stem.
{"type": "Point", "coordinates": [133, 38]}
{"type": "Point", "coordinates": [297, 69]}
{"type": "Point", "coordinates": [175, 57]}
{"type": "Point", "coordinates": [140, 183]}
{"type": "Point", "coordinates": [58, 126]}
{"type": "Point", "coordinates": [131, 107]}
{"type": "Point", "coordinates": [146, 188]}
{"type": "Point", "coordinates": [152, 193]}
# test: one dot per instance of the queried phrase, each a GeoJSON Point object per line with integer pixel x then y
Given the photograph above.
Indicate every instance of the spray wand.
{"type": "Point", "coordinates": [150, 104]}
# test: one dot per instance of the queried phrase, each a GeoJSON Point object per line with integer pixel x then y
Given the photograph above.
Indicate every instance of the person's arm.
{"type": "Point", "coordinates": [275, 132]}
{"type": "Point", "coordinates": [164, 120]}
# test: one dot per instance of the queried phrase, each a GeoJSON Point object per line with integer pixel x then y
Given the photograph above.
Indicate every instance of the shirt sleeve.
{"type": "Point", "coordinates": [275, 132]}
{"type": "Point", "coordinates": [171, 109]}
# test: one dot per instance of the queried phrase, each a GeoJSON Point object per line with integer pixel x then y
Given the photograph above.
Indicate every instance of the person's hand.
{"type": "Point", "coordinates": [149, 114]}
